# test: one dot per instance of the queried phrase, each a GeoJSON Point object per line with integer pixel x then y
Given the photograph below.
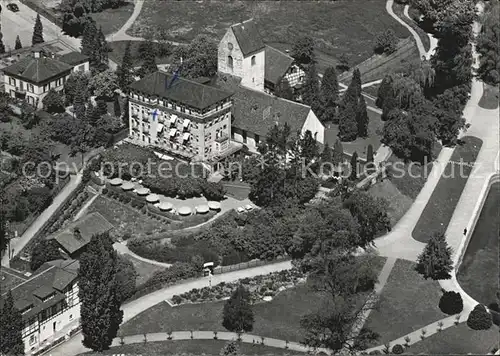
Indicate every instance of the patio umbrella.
{"type": "Point", "coordinates": [214, 205]}
{"type": "Point", "coordinates": [128, 186]}
{"type": "Point", "coordinates": [152, 198]}
{"type": "Point", "coordinates": [143, 191]}
{"type": "Point", "coordinates": [202, 209]}
{"type": "Point", "coordinates": [185, 210]}
{"type": "Point", "coordinates": [165, 206]}
{"type": "Point", "coordinates": [116, 181]}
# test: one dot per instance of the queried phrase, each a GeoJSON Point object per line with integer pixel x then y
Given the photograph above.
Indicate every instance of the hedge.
{"type": "Point", "coordinates": [451, 303]}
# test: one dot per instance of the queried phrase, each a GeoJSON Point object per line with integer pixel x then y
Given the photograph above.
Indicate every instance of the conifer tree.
{"type": "Point", "coordinates": [435, 261]}
{"type": "Point", "coordinates": [37, 31]}
{"type": "Point", "coordinates": [11, 326]}
{"type": "Point", "coordinates": [18, 44]}
{"type": "Point", "coordinates": [98, 292]}
{"type": "Point", "coordinates": [338, 152]}
{"type": "Point", "coordinates": [2, 46]}
{"type": "Point", "coordinates": [125, 70]}
{"type": "Point", "coordinates": [102, 107]}
{"type": "Point", "coordinates": [102, 51]}
{"type": "Point", "coordinates": [370, 166]}
{"type": "Point", "coordinates": [354, 88]}
{"type": "Point", "coordinates": [116, 106]}
{"type": "Point", "coordinates": [326, 157]}
{"type": "Point", "coordinates": [354, 166]}
{"type": "Point", "coordinates": [237, 313]}
{"type": "Point", "coordinates": [80, 99]}
{"type": "Point", "coordinates": [149, 63]}
{"type": "Point", "coordinates": [310, 92]}
{"type": "Point", "coordinates": [348, 125]}
{"type": "Point", "coordinates": [329, 94]}
{"type": "Point", "coordinates": [362, 118]}
{"type": "Point", "coordinates": [384, 90]}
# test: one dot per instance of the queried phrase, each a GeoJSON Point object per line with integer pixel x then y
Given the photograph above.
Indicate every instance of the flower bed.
{"type": "Point", "coordinates": [268, 285]}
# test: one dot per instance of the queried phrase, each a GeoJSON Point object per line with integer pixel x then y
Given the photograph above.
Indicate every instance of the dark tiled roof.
{"type": "Point", "coordinates": [37, 70]}
{"type": "Point", "coordinates": [90, 225]}
{"type": "Point", "coordinates": [248, 37]}
{"type": "Point", "coordinates": [182, 90]}
{"type": "Point", "coordinates": [74, 58]}
{"type": "Point", "coordinates": [49, 279]}
{"type": "Point", "coordinates": [256, 112]}
{"type": "Point", "coordinates": [277, 64]}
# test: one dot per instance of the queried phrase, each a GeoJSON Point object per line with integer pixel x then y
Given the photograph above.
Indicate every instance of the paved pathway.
{"type": "Point", "coordinates": [74, 345]}
{"type": "Point", "coordinates": [121, 248]}
{"type": "Point", "coordinates": [432, 40]}
{"type": "Point", "coordinates": [18, 243]}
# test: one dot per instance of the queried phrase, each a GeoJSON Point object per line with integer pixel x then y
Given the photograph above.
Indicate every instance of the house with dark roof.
{"type": "Point", "coordinates": [75, 237]}
{"type": "Point", "coordinates": [33, 76]}
{"type": "Point", "coordinates": [280, 66]}
{"type": "Point", "coordinates": [48, 302]}
{"type": "Point", "coordinates": [80, 62]}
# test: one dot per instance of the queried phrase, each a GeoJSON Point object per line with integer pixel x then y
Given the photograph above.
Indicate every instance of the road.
{"type": "Point", "coordinates": [18, 243]}
{"type": "Point", "coordinates": [74, 345]}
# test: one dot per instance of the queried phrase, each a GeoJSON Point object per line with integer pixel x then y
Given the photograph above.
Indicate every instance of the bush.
{"type": "Point", "coordinates": [386, 42]}
{"type": "Point", "coordinates": [176, 299]}
{"type": "Point", "coordinates": [398, 349]}
{"type": "Point", "coordinates": [479, 318]}
{"type": "Point", "coordinates": [213, 191]}
{"type": "Point", "coordinates": [451, 303]}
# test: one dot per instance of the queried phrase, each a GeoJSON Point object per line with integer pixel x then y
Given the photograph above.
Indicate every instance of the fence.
{"type": "Point", "coordinates": [249, 264]}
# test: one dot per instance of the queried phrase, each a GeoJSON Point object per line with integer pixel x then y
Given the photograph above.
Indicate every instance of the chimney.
{"type": "Point", "coordinates": [36, 54]}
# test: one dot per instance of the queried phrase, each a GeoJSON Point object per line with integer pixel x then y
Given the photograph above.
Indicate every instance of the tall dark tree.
{"type": "Point", "coordinates": [384, 91]}
{"type": "Point", "coordinates": [11, 326]}
{"type": "Point", "coordinates": [103, 50]}
{"type": "Point", "coordinates": [362, 118]}
{"type": "Point", "coordinates": [308, 147]}
{"type": "Point", "coordinates": [329, 94]}
{"type": "Point", "coordinates": [311, 92]}
{"type": "Point", "coordinates": [102, 107]}
{"type": "Point", "coordinates": [369, 153]}
{"type": "Point", "coordinates": [303, 50]}
{"type": "Point", "coordinates": [124, 72]}
{"type": "Point", "coordinates": [99, 293]}
{"type": "Point", "coordinates": [126, 278]}
{"type": "Point", "coordinates": [89, 43]}
{"type": "Point", "coordinates": [53, 102]}
{"type": "Point", "coordinates": [3, 223]}
{"type": "Point", "coordinates": [80, 99]}
{"type": "Point", "coordinates": [116, 106]}
{"type": "Point", "coordinates": [354, 89]}
{"type": "Point", "coordinates": [435, 261]}
{"type": "Point", "coordinates": [37, 31]}
{"type": "Point", "coordinates": [18, 44]}
{"type": "Point", "coordinates": [237, 313]}
{"type": "Point", "coordinates": [149, 64]}
{"type": "Point", "coordinates": [284, 90]}
{"type": "Point", "coordinates": [44, 251]}
{"type": "Point", "coordinates": [125, 112]}
{"type": "Point", "coordinates": [348, 125]}
{"type": "Point", "coordinates": [2, 46]}
{"type": "Point", "coordinates": [199, 58]}
{"type": "Point", "coordinates": [338, 152]}
{"type": "Point", "coordinates": [488, 46]}
{"type": "Point", "coordinates": [354, 166]}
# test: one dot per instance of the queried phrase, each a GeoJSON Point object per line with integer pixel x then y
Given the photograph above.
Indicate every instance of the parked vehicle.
{"type": "Point", "coordinates": [13, 7]}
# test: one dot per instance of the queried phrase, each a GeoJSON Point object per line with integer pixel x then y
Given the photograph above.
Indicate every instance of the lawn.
{"type": "Point", "coordinates": [440, 207]}
{"type": "Point", "coordinates": [372, 90]}
{"type": "Point", "coordinates": [144, 270]}
{"type": "Point", "coordinates": [398, 10]}
{"type": "Point", "coordinates": [360, 144]}
{"type": "Point", "coordinates": [125, 219]}
{"type": "Point", "coordinates": [118, 49]}
{"type": "Point", "coordinates": [407, 303]}
{"type": "Point", "coordinates": [398, 202]}
{"type": "Point", "coordinates": [490, 98]}
{"type": "Point", "coordinates": [208, 347]}
{"type": "Point", "coordinates": [458, 340]}
{"type": "Point", "coordinates": [478, 273]}
{"type": "Point", "coordinates": [338, 27]}
{"type": "Point", "coordinates": [279, 318]}
{"type": "Point", "coordinates": [111, 20]}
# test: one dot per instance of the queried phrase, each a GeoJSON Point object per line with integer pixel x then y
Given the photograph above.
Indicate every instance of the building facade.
{"type": "Point", "coordinates": [32, 77]}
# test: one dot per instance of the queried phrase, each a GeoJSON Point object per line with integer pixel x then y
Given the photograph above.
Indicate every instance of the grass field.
{"type": "Point", "coordinates": [144, 270]}
{"type": "Point", "coordinates": [398, 202]}
{"type": "Point", "coordinates": [111, 20]}
{"type": "Point", "coordinates": [490, 97]}
{"type": "Point", "coordinates": [338, 27]}
{"type": "Point", "coordinates": [478, 273]}
{"type": "Point", "coordinates": [408, 302]}
{"type": "Point", "coordinates": [458, 340]}
{"type": "Point", "coordinates": [118, 49]}
{"type": "Point", "coordinates": [208, 347]}
{"type": "Point", "coordinates": [440, 207]}
{"type": "Point", "coordinates": [398, 10]}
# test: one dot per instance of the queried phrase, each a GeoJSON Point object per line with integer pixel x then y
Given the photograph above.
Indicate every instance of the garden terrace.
{"type": "Point", "coordinates": [440, 207]}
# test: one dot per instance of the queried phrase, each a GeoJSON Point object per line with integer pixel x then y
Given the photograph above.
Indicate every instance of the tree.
{"type": "Point", "coordinates": [11, 326]}
{"type": "Point", "coordinates": [310, 91]}
{"type": "Point", "coordinates": [448, 112]}
{"type": "Point", "coordinates": [435, 261]}
{"type": "Point", "coordinates": [237, 313]}
{"type": "Point", "coordinates": [354, 166]}
{"type": "Point", "coordinates": [479, 318]}
{"type": "Point", "coordinates": [362, 118]}
{"type": "Point", "coordinates": [149, 64]}
{"type": "Point", "coordinates": [2, 46]}
{"type": "Point", "coordinates": [230, 349]}
{"type": "Point", "coordinates": [125, 278]}
{"type": "Point", "coordinates": [386, 42]}
{"type": "Point", "coordinates": [89, 43]}
{"type": "Point", "coordinates": [199, 58]}
{"type": "Point", "coordinates": [488, 46]}
{"type": "Point", "coordinates": [354, 89]}
{"type": "Point", "coordinates": [369, 153]}
{"type": "Point", "coordinates": [104, 84]}
{"type": "Point", "coordinates": [72, 86]}
{"type": "Point", "coordinates": [102, 107]}
{"type": "Point", "coordinates": [116, 106]}
{"type": "Point", "coordinates": [18, 44]}
{"type": "Point", "coordinates": [329, 94]}
{"type": "Point", "coordinates": [348, 126]}
{"type": "Point", "coordinates": [451, 303]}
{"type": "Point", "coordinates": [326, 157]}
{"type": "Point", "coordinates": [100, 312]}
{"type": "Point", "coordinates": [343, 64]}
{"type": "Point", "coordinates": [44, 251]}
{"type": "Point", "coordinates": [53, 102]}
{"type": "Point", "coordinates": [37, 31]}
{"type": "Point", "coordinates": [384, 90]}
{"type": "Point", "coordinates": [124, 72]}
{"type": "Point", "coordinates": [4, 238]}
{"type": "Point", "coordinates": [303, 50]}
{"type": "Point", "coordinates": [308, 147]}
{"type": "Point", "coordinates": [284, 90]}
{"type": "Point", "coordinates": [338, 152]}
{"type": "Point", "coordinates": [75, 18]}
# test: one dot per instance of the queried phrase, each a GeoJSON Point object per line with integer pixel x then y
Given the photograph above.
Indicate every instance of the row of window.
{"type": "Point", "coordinates": [31, 88]}
{"type": "Point", "coordinates": [230, 61]}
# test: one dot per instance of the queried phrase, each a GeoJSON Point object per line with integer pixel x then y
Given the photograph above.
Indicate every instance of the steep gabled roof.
{"type": "Point", "coordinates": [277, 64]}
{"type": "Point", "coordinates": [181, 90]}
{"type": "Point", "coordinates": [248, 37]}
{"type": "Point", "coordinates": [37, 70]}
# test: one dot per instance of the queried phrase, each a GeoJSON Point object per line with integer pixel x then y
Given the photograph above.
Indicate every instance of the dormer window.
{"type": "Point", "coordinates": [253, 60]}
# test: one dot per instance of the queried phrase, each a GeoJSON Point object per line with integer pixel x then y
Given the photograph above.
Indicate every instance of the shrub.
{"type": "Point", "coordinates": [386, 42]}
{"type": "Point", "coordinates": [213, 191]}
{"type": "Point", "coordinates": [398, 349]}
{"type": "Point", "coordinates": [451, 303]}
{"type": "Point", "coordinates": [176, 299]}
{"type": "Point", "coordinates": [479, 318]}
